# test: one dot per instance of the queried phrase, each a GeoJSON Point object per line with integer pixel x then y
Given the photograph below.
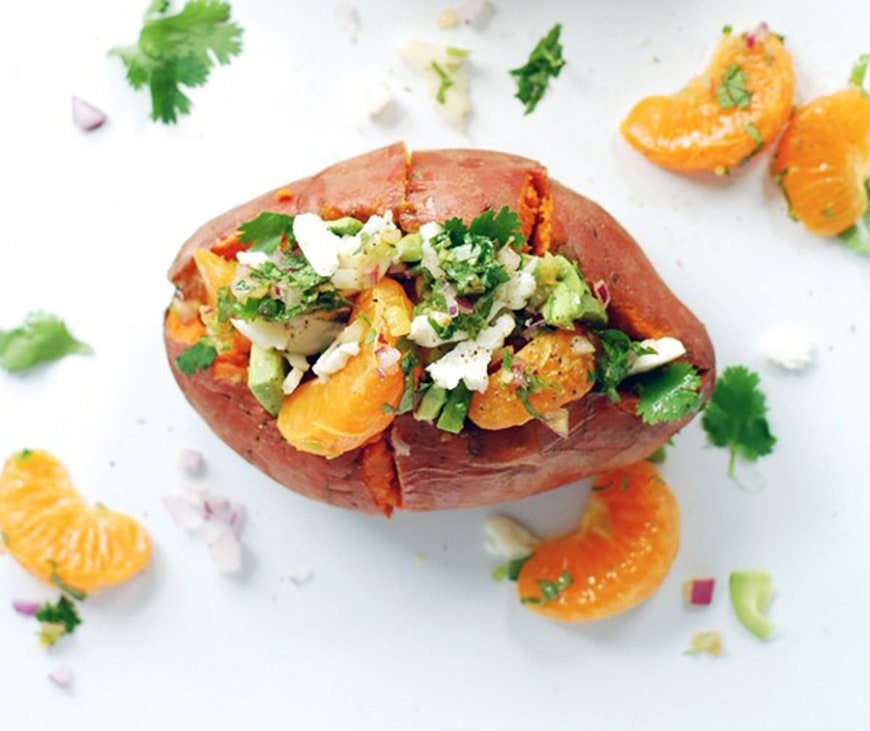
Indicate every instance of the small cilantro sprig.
{"type": "Point", "coordinates": [197, 357]}
{"type": "Point", "coordinates": [266, 231]}
{"type": "Point", "coordinates": [732, 91]}
{"type": "Point", "coordinates": [41, 339]}
{"type": "Point", "coordinates": [857, 237]}
{"type": "Point", "coordinates": [57, 620]}
{"type": "Point", "coordinates": [668, 394]}
{"type": "Point", "coordinates": [612, 363]}
{"type": "Point", "coordinates": [735, 416]}
{"type": "Point", "coordinates": [545, 62]}
{"type": "Point", "coordinates": [550, 590]}
{"type": "Point", "coordinates": [179, 50]}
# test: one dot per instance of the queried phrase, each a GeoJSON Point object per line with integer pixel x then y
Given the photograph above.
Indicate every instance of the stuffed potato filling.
{"type": "Point", "coordinates": [342, 325]}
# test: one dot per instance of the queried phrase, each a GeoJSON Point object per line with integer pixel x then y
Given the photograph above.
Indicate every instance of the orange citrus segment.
{"type": "Point", "coordinates": [554, 369]}
{"type": "Point", "coordinates": [333, 416]}
{"type": "Point", "coordinates": [823, 160]}
{"type": "Point", "coordinates": [215, 271]}
{"type": "Point", "coordinates": [50, 531]}
{"type": "Point", "coordinates": [618, 556]}
{"type": "Point", "coordinates": [723, 117]}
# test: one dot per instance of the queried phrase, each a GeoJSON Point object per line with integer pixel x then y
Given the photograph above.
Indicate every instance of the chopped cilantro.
{"type": "Point", "coordinates": [756, 137]}
{"type": "Point", "coordinates": [409, 363]}
{"type": "Point", "coordinates": [668, 394]}
{"type": "Point", "coordinates": [499, 572]}
{"type": "Point", "coordinates": [659, 456]}
{"type": "Point", "coordinates": [63, 613]}
{"type": "Point", "coordinates": [24, 454]}
{"type": "Point", "coordinates": [445, 82]}
{"type": "Point", "coordinates": [179, 50]}
{"type": "Point", "coordinates": [735, 416]}
{"type": "Point", "coordinates": [41, 339]}
{"type": "Point", "coordinates": [550, 589]}
{"type": "Point", "coordinates": [225, 301]}
{"type": "Point", "coordinates": [197, 357]}
{"type": "Point", "coordinates": [726, 30]}
{"type": "Point", "coordinates": [504, 227]}
{"type": "Point", "coordinates": [859, 70]}
{"type": "Point", "coordinates": [266, 231]}
{"type": "Point", "coordinates": [545, 61]}
{"type": "Point", "coordinates": [732, 91]}
{"type": "Point", "coordinates": [857, 237]}
{"type": "Point", "coordinates": [515, 566]}
{"type": "Point", "coordinates": [613, 361]}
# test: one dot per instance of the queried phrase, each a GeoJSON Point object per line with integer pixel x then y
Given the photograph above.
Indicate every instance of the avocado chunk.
{"type": "Point", "coordinates": [751, 592]}
{"type": "Point", "coordinates": [266, 376]}
{"type": "Point", "coordinates": [432, 402]}
{"type": "Point", "coordinates": [455, 409]}
{"type": "Point", "coordinates": [347, 226]}
{"type": "Point", "coordinates": [563, 296]}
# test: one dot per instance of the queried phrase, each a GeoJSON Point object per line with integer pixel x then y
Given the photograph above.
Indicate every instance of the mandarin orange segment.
{"type": "Point", "coordinates": [215, 271]}
{"type": "Point", "coordinates": [554, 369]}
{"type": "Point", "coordinates": [823, 160]}
{"type": "Point", "coordinates": [333, 416]}
{"type": "Point", "coordinates": [618, 556]}
{"type": "Point", "coordinates": [723, 117]}
{"type": "Point", "coordinates": [56, 537]}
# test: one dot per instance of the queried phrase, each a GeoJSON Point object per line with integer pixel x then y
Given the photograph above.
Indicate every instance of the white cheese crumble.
{"type": "Point", "coordinates": [507, 538]}
{"type": "Point", "coordinates": [252, 258]}
{"type": "Point", "coordinates": [664, 351]}
{"type": "Point", "coordinates": [319, 245]}
{"type": "Point", "coordinates": [469, 360]}
{"type": "Point", "coordinates": [298, 368]}
{"type": "Point", "coordinates": [790, 347]}
{"type": "Point", "coordinates": [335, 357]}
{"type": "Point", "coordinates": [424, 334]}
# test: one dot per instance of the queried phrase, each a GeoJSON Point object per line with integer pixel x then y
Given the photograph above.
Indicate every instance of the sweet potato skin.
{"type": "Point", "coordinates": [434, 470]}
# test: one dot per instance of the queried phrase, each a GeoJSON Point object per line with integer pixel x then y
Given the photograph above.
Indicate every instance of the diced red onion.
{"type": "Point", "coordinates": [191, 462]}
{"type": "Point", "coordinates": [186, 515]}
{"type": "Point", "coordinates": [453, 309]}
{"type": "Point", "coordinates": [225, 550]}
{"type": "Point", "coordinates": [87, 116]}
{"type": "Point", "coordinates": [698, 592]}
{"type": "Point", "coordinates": [762, 31]}
{"type": "Point", "coordinates": [61, 676]}
{"type": "Point", "coordinates": [387, 357]}
{"type": "Point", "coordinates": [602, 292]}
{"type": "Point", "coordinates": [465, 305]}
{"type": "Point", "coordinates": [380, 374]}
{"type": "Point", "coordinates": [28, 609]}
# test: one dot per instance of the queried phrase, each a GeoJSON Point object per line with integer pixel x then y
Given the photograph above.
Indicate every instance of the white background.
{"type": "Point", "coordinates": [401, 626]}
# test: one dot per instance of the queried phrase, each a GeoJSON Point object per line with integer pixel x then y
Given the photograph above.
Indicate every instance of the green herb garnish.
{"type": "Point", "coordinates": [857, 237]}
{"type": "Point", "coordinates": [545, 62]}
{"type": "Point", "coordinates": [42, 338]}
{"type": "Point", "coordinates": [668, 394]}
{"type": "Point", "coordinates": [732, 91]}
{"type": "Point", "coordinates": [179, 50]}
{"type": "Point", "coordinates": [859, 70]}
{"type": "Point", "coordinates": [197, 357]}
{"type": "Point", "coordinates": [613, 362]}
{"type": "Point", "coordinates": [549, 589]}
{"type": "Point", "coordinates": [735, 416]}
{"type": "Point", "coordinates": [57, 620]}
{"type": "Point", "coordinates": [266, 231]}
{"type": "Point", "coordinates": [445, 82]}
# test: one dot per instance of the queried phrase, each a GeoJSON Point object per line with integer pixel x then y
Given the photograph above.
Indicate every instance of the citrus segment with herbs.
{"type": "Point", "coordinates": [618, 556]}
{"type": "Point", "coordinates": [55, 536]}
{"type": "Point", "coordinates": [357, 402]}
{"type": "Point", "coordinates": [723, 117]}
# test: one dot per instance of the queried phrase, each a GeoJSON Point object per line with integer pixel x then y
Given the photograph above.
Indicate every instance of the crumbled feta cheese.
{"type": "Point", "coordinates": [424, 334]}
{"type": "Point", "coordinates": [335, 357]}
{"type": "Point", "coordinates": [264, 333]}
{"type": "Point", "coordinates": [507, 538]}
{"type": "Point", "coordinates": [252, 258]}
{"type": "Point", "coordinates": [448, 19]}
{"type": "Point", "coordinates": [376, 97]}
{"type": "Point", "coordinates": [581, 345]}
{"type": "Point", "coordinates": [319, 245]}
{"type": "Point", "coordinates": [664, 351]}
{"type": "Point", "coordinates": [298, 367]}
{"type": "Point", "coordinates": [789, 347]}
{"type": "Point", "coordinates": [515, 293]}
{"type": "Point", "coordinates": [468, 361]}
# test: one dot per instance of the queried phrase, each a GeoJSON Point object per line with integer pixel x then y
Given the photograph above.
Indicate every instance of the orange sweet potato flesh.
{"type": "Point", "coordinates": [416, 466]}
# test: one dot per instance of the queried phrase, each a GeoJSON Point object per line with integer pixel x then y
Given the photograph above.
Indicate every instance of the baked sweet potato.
{"type": "Point", "coordinates": [412, 464]}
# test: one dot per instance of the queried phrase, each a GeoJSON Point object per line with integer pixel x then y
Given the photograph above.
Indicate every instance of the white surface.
{"type": "Point", "coordinates": [400, 626]}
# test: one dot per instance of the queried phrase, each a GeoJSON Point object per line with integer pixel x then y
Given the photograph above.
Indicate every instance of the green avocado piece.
{"type": "Point", "coordinates": [265, 377]}
{"type": "Point", "coordinates": [563, 295]}
{"type": "Point", "coordinates": [347, 226]}
{"type": "Point", "coordinates": [455, 409]}
{"type": "Point", "coordinates": [410, 247]}
{"type": "Point", "coordinates": [431, 404]}
{"type": "Point", "coordinates": [751, 592]}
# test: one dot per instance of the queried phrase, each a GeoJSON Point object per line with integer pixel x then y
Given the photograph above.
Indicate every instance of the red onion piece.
{"type": "Point", "coordinates": [61, 676]}
{"type": "Point", "coordinates": [226, 550]}
{"type": "Point", "coordinates": [191, 462]}
{"type": "Point", "coordinates": [602, 292]}
{"type": "Point", "coordinates": [28, 609]}
{"type": "Point", "coordinates": [698, 592]}
{"type": "Point", "coordinates": [762, 31]}
{"type": "Point", "coordinates": [465, 305]}
{"type": "Point", "coordinates": [185, 514]}
{"type": "Point", "coordinates": [87, 116]}
{"type": "Point", "coordinates": [387, 357]}
{"type": "Point", "coordinates": [453, 309]}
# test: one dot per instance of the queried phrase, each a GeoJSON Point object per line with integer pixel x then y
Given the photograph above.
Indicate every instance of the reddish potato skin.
{"type": "Point", "coordinates": [436, 470]}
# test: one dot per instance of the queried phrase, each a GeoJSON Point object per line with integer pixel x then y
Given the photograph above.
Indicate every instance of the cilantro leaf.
{"type": "Point", "coordinates": [613, 361]}
{"type": "Point", "coordinates": [732, 91]}
{"type": "Point", "coordinates": [197, 357]}
{"type": "Point", "coordinates": [63, 613]}
{"type": "Point", "coordinates": [545, 61]}
{"type": "Point", "coordinates": [857, 237]}
{"type": "Point", "coordinates": [550, 589]}
{"type": "Point", "coordinates": [179, 50]}
{"type": "Point", "coordinates": [668, 394]}
{"type": "Point", "coordinates": [504, 227]}
{"type": "Point", "coordinates": [42, 338]}
{"type": "Point", "coordinates": [735, 416]}
{"type": "Point", "coordinates": [445, 82]}
{"type": "Point", "coordinates": [266, 231]}
{"type": "Point", "coordinates": [859, 70]}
